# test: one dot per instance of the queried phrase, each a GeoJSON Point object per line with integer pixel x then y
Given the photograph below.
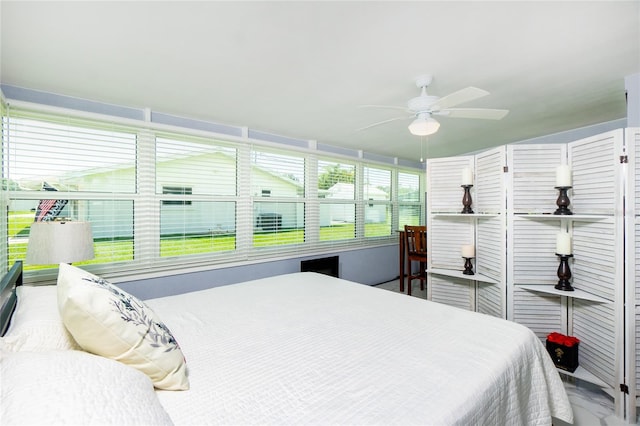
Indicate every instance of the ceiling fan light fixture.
{"type": "Point", "coordinates": [424, 126]}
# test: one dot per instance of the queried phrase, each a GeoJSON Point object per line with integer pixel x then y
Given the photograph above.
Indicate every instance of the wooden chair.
{"type": "Point", "coordinates": [416, 244]}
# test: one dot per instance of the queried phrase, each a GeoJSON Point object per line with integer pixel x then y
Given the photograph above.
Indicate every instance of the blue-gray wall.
{"type": "Point", "coordinates": [370, 266]}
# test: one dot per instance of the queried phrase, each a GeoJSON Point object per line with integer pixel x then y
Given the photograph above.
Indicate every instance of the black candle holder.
{"type": "Point", "coordinates": [563, 201]}
{"type": "Point", "coordinates": [468, 266]}
{"type": "Point", "coordinates": [466, 199]}
{"type": "Point", "coordinates": [564, 273]}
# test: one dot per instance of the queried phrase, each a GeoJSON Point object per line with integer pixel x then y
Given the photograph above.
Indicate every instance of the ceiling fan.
{"type": "Point", "coordinates": [422, 108]}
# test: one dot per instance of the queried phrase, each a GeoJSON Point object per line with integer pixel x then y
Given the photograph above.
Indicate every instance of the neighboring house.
{"type": "Point", "coordinates": [210, 176]}
{"type": "Point", "coordinates": [345, 213]}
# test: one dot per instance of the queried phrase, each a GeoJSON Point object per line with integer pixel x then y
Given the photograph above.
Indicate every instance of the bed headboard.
{"type": "Point", "coordinates": [8, 297]}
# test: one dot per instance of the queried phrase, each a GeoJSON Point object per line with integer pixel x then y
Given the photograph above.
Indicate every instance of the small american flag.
{"type": "Point", "coordinates": [49, 209]}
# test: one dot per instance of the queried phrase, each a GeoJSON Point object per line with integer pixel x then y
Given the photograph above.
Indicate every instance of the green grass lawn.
{"type": "Point", "coordinates": [119, 250]}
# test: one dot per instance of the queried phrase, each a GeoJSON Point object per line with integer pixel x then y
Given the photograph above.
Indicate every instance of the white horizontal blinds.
{"type": "Point", "coordinates": [86, 167]}
{"type": "Point", "coordinates": [532, 170]}
{"type": "Point", "coordinates": [278, 191]}
{"type": "Point", "coordinates": [540, 312]}
{"type": "Point", "coordinates": [452, 291]}
{"type": "Point", "coordinates": [594, 324]}
{"type": "Point", "coordinates": [444, 180]}
{"type": "Point", "coordinates": [204, 166]}
{"type": "Point", "coordinates": [594, 165]}
{"type": "Point", "coordinates": [337, 195]}
{"type": "Point", "coordinates": [534, 247]}
{"type": "Point", "coordinates": [69, 154]}
{"type": "Point", "coordinates": [446, 236]}
{"type": "Point", "coordinates": [489, 182]}
{"type": "Point", "coordinates": [595, 251]}
{"type": "Point", "coordinates": [410, 206]}
{"type": "Point", "coordinates": [195, 187]}
{"type": "Point", "coordinates": [376, 194]}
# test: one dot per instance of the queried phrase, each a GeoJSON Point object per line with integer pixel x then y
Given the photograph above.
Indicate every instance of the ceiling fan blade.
{"type": "Point", "coordinates": [459, 97]}
{"type": "Point", "coordinates": [484, 113]}
{"type": "Point", "coordinates": [384, 106]}
{"type": "Point", "coordinates": [384, 122]}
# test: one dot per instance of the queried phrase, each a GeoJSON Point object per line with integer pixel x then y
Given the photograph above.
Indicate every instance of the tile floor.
{"type": "Point", "coordinates": [590, 405]}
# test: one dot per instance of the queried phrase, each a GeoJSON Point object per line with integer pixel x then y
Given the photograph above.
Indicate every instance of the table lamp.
{"type": "Point", "coordinates": [59, 241]}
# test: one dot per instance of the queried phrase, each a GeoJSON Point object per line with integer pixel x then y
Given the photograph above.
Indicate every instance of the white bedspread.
{"type": "Point", "coordinates": [310, 349]}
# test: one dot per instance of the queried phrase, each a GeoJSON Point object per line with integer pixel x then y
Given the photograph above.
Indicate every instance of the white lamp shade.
{"type": "Point", "coordinates": [59, 242]}
{"type": "Point", "coordinates": [424, 126]}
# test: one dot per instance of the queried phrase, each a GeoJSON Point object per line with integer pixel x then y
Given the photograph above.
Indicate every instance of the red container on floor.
{"type": "Point", "coordinates": [563, 351]}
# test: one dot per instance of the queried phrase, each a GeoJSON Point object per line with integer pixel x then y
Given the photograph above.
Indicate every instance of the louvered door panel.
{"type": "Point", "coordinates": [540, 312]}
{"type": "Point", "coordinates": [489, 182]}
{"type": "Point", "coordinates": [490, 247]}
{"type": "Point", "coordinates": [444, 178]}
{"type": "Point", "coordinates": [594, 325]}
{"type": "Point", "coordinates": [489, 299]}
{"type": "Point", "coordinates": [593, 164]}
{"type": "Point", "coordinates": [637, 348]}
{"type": "Point", "coordinates": [633, 136]}
{"type": "Point", "coordinates": [447, 235]}
{"type": "Point", "coordinates": [637, 261]}
{"type": "Point", "coordinates": [452, 291]}
{"type": "Point", "coordinates": [533, 169]}
{"type": "Point", "coordinates": [534, 245]}
{"type": "Point", "coordinates": [594, 257]}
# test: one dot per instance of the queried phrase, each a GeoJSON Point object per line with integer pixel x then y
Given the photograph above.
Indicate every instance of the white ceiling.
{"type": "Point", "coordinates": [302, 69]}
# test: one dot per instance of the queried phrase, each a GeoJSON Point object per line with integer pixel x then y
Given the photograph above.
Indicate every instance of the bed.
{"type": "Point", "coordinates": [301, 348]}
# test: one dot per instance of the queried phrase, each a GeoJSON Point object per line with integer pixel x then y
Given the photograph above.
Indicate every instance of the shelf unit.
{"type": "Point", "coordinates": [632, 272]}
{"type": "Point", "coordinates": [449, 230]}
{"type": "Point", "coordinates": [576, 293]}
{"type": "Point", "coordinates": [593, 312]}
{"type": "Point", "coordinates": [514, 232]}
{"type": "Point", "coordinates": [460, 275]}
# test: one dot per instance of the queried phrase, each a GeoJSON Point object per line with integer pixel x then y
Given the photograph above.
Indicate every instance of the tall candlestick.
{"type": "Point", "coordinates": [467, 176]}
{"type": "Point", "coordinates": [563, 244]}
{"type": "Point", "coordinates": [468, 250]}
{"type": "Point", "coordinates": [563, 176]}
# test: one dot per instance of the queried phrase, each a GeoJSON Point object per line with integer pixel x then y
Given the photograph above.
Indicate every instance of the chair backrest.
{"type": "Point", "coordinates": [416, 239]}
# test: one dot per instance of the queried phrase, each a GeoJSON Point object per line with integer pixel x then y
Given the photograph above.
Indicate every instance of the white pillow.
{"type": "Point", "coordinates": [36, 324]}
{"type": "Point", "coordinates": [107, 321]}
{"type": "Point", "coordinates": [76, 388]}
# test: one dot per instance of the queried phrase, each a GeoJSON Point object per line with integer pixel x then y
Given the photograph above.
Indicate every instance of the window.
{"type": "Point", "coordinates": [337, 191]}
{"type": "Point", "coordinates": [410, 201]}
{"type": "Point", "coordinates": [200, 176]}
{"type": "Point", "coordinates": [42, 161]}
{"type": "Point", "coordinates": [376, 190]}
{"type": "Point", "coordinates": [280, 178]}
{"type": "Point", "coordinates": [160, 200]}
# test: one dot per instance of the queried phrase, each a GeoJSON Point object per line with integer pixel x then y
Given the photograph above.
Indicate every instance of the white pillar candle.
{"type": "Point", "coordinates": [468, 250]}
{"type": "Point", "coordinates": [563, 175]}
{"type": "Point", "coordinates": [467, 176]}
{"type": "Point", "coordinates": [563, 243]}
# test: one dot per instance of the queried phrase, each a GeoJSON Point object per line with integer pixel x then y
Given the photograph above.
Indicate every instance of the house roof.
{"type": "Point", "coordinates": [303, 69]}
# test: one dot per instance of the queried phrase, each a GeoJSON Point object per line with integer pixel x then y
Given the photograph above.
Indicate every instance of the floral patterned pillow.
{"type": "Point", "coordinates": [107, 321]}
